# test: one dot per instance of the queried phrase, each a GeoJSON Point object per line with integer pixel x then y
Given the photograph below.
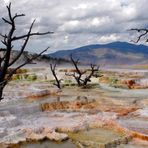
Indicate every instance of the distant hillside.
{"type": "Point", "coordinates": [115, 53]}
{"type": "Point", "coordinates": [42, 60]}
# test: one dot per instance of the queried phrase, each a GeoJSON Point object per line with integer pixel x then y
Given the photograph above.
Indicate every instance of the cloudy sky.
{"type": "Point", "coordinates": [77, 22]}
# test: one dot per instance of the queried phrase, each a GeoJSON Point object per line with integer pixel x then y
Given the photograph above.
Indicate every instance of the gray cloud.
{"type": "Point", "coordinates": [78, 22]}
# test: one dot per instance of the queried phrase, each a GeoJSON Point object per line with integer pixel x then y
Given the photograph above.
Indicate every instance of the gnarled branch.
{"type": "Point", "coordinates": [8, 42]}
{"type": "Point", "coordinates": [143, 32]}
{"type": "Point", "coordinates": [81, 77]}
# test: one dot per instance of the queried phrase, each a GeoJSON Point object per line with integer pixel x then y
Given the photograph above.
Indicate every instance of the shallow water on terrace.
{"type": "Point", "coordinates": [119, 93]}
{"type": "Point", "coordinates": [49, 144]}
{"type": "Point", "coordinates": [99, 135]}
{"type": "Point", "coordinates": [68, 94]}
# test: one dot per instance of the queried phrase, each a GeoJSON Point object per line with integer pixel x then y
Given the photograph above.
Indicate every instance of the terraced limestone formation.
{"type": "Point", "coordinates": [101, 116]}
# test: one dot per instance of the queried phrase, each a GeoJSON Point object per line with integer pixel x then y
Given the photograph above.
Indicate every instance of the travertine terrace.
{"type": "Point", "coordinates": [34, 110]}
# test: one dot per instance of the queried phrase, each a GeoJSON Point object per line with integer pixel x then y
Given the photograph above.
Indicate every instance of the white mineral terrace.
{"type": "Point", "coordinates": [38, 110]}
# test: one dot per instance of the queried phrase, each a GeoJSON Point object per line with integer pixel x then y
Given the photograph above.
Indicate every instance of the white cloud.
{"type": "Point", "coordinates": [78, 22]}
{"type": "Point", "coordinates": [6, 1]}
{"type": "Point", "coordinates": [109, 38]}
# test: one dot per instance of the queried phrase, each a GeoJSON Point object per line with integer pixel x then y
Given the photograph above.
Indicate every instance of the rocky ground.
{"type": "Point", "coordinates": [101, 116]}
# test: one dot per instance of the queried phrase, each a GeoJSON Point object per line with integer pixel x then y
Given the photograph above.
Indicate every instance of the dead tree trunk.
{"type": "Point", "coordinates": [58, 81]}
{"type": "Point", "coordinates": [81, 77]}
{"type": "Point", "coordinates": [8, 41]}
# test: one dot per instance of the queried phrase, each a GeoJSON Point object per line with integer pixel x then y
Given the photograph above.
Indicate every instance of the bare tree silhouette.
{"type": "Point", "coordinates": [8, 41]}
{"type": "Point", "coordinates": [53, 70]}
{"type": "Point", "coordinates": [82, 77]}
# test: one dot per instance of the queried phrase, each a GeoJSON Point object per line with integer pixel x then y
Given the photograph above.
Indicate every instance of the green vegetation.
{"type": "Point", "coordinates": [27, 77]}
{"type": "Point", "coordinates": [32, 77]}
{"type": "Point", "coordinates": [113, 80]}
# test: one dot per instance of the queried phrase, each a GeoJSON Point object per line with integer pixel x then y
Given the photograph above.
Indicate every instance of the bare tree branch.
{"type": "Point", "coordinates": [143, 32]}
{"type": "Point", "coordinates": [24, 45]}
{"type": "Point", "coordinates": [6, 21]}
{"type": "Point", "coordinates": [3, 36]}
{"type": "Point", "coordinates": [58, 81]}
{"type": "Point", "coordinates": [7, 40]}
{"type": "Point", "coordinates": [17, 15]}
{"type": "Point", "coordinates": [92, 73]}
{"type": "Point", "coordinates": [29, 60]}
{"type": "Point", "coordinates": [75, 63]}
{"type": "Point", "coordinates": [31, 34]}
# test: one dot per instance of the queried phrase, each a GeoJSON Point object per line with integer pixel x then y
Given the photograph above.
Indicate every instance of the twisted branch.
{"type": "Point", "coordinates": [143, 33]}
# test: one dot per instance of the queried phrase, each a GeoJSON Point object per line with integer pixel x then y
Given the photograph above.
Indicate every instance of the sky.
{"type": "Point", "coordinates": [76, 22]}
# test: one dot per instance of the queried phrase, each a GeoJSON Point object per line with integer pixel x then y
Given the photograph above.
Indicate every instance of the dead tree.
{"type": "Point", "coordinates": [93, 73]}
{"type": "Point", "coordinates": [8, 41]}
{"type": "Point", "coordinates": [78, 73]}
{"type": "Point", "coordinates": [143, 33]}
{"type": "Point", "coordinates": [81, 77]}
{"type": "Point", "coordinates": [53, 70]}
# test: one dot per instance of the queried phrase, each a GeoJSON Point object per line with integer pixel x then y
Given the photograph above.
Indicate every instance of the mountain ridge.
{"type": "Point", "coordinates": [111, 53]}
